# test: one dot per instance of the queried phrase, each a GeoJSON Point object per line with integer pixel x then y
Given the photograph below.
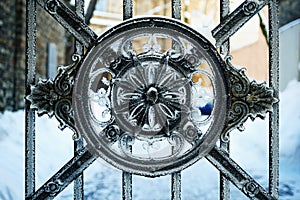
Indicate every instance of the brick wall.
{"type": "Point", "coordinates": [48, 31]}
{"type": "Point", "coordinates": [12, 50]}
{"type": "Point", "coordinates": [8, 26]}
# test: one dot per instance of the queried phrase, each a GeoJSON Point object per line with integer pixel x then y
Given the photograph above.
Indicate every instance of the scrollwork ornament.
{"type": "Point", "coordinates": [54, 97]}
{"type": "Point", "coordinates": [64, 114]}
{"type": "Point", "coordinates": [64, 80]}
{"type": "Point", "coordinates": [248, 99]}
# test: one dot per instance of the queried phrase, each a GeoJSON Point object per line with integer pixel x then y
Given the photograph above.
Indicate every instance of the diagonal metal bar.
{"type": "Point", "coordinates": [69, 20]}
{"type": "Point", "coordinates": [59, 181]}
{"type": "Point", "coordinates": [233, 172]}
{"type": "Point", "coordinates": [274, 83]}
{"type": "Point", "coordinates": [30, 113]}
{"type": "Point", "coordinates": [237, 19]}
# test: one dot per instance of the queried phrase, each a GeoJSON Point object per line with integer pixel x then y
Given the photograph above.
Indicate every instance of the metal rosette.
{"type": "Point", "coordinates": [150, 96]}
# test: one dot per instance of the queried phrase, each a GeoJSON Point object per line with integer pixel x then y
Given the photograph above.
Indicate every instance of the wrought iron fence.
{"type": "Point", "coordinates": [56, 97]}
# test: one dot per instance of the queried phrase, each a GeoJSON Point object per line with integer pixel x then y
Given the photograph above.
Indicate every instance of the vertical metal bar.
{"type": "Point", "coordinates": [29, 113]}
{"type": "Point", "coordinates": [176, 177]}
{"type": "Point", "coordinates": [176, 9]}
{"type": "Point", "coordinates": [126, 186]}
{"type": "Point", "coordinates": [224, 12]}
{"type": "Point", "coordinates": [127, 182]}
{"type": "Point", "coordinates": [274, 83]}
{"type": "Point", "coordinates": [79, 181]}
{"type": "Point", "coordinates": [176, 185]}
{"type": "Point", "coordinates": [127, 9]}
{"type": "Point", "coordinates": [126, 176]}
{"type": "Point", "coordinates": [224, 182]}
{"type": "Point", "coordinates": [225, 146]}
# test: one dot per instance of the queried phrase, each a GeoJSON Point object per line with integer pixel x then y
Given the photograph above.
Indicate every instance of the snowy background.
{"type": "Point", "coordinates": [200, 181]}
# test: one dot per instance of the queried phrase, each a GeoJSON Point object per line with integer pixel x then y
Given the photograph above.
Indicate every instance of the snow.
{"type": "Point", "coordinates": [249, 149]}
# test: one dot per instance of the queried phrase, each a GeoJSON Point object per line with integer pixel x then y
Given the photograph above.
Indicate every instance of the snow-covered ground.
{"type": "Point", "coordinates": [200, 181]}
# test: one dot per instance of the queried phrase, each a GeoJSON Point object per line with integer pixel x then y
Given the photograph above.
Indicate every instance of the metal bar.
{"type": "Point", "coordinates": [176, 185]}
{"type": "Point", "coordinates": [29, 113]}
{"type": "Point", "coordinates": [61, 179]}
{"type": "Point", "coordinates": [126, 176]}
{"type": "Point", "coordinates": [237, 19]}
{"type": "Point", "coordinates": [127, 182]}
{"type": "Point", "coordinates": [225, 146]}
{"type": "Point", "coordinates": [69, 20]}
{"type": "Point", "coordinates": [233, 172]}
{"type": "Point", "coordinates": [78, 144]}
{"type": "Point", "coordinates": [127, 9]}
{"type": "Point", "coordinates": [79, 181]}
{"type": "Point", "coordinates": [126, 186]}
{"type": "Point", "coordinates": [176, 9]}
{"type": "Point", "coordinates": [90, 11]}
{"type": "Point", "coordinates": [274, 83]}
{"type": "Point", "coordinates": [176, 177]}
{"type": "Point", "coordinates": [224, 182]}
{"type": "Point", "coordinates": [224, 12]}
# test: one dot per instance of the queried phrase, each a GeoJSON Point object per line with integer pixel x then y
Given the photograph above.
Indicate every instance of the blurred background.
{"type": "Point", "coordinates": [55, 45]}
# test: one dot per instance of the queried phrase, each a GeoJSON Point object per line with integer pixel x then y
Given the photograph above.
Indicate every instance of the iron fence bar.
{"type": "Point", "coordinates": [127, 9]}
{"type": "Point", "coordinates": [237, 19]}
{"type": "Point", "coordinates": [233, 172]}
{"type": "Point", "coordinates": [176, 185]}
{"type": "Point", "coordinates": [69, 20]}
{"type": "Point", "coordinates": [30, 113]}
{"type": "Point", "coordinates": [176, 9]}
{"type": "Point", "coordinates": [274, 83]}
{"type": "Point", "coordinates": [225, 146]}
{"type": "Point", "coordinates": [176, 176]}
{"type": "Point", "coordinates": [61, 179]}
{"type": "Point", "coordinates": [78, 144]}
{"type": "Point", "coordinates": [126, 176]}
{"type": "Point", "coordinates": [126, 185]}
{"type": "Point", "coordinates": [79, 181]}
{"type": "Point", "coordinates": [224, 12]}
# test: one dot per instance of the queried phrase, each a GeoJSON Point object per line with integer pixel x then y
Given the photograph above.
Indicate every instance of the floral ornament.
{"type": "Point", "coordinates": [52, 5]}
{"type": "Point", "coordinates": [251, 188]}
{"type": "Point", "coordinates": [152, 97]}
{"type": "Point", "coordinates": [250, 7]}
{"type": "Point", "coordinates": [53, 187]}
{"type": "Point", "coordinates": [112, 133]}
{"type": "Point", "coordinates": [154, 126]}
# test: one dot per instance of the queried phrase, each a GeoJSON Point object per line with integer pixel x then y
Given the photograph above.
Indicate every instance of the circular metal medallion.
{"type": "Point", "coordinates": [150, 96]}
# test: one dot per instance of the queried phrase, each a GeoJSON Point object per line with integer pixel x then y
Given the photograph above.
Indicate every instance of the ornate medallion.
{"type": "Point", "coordinates": [150, 96]}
